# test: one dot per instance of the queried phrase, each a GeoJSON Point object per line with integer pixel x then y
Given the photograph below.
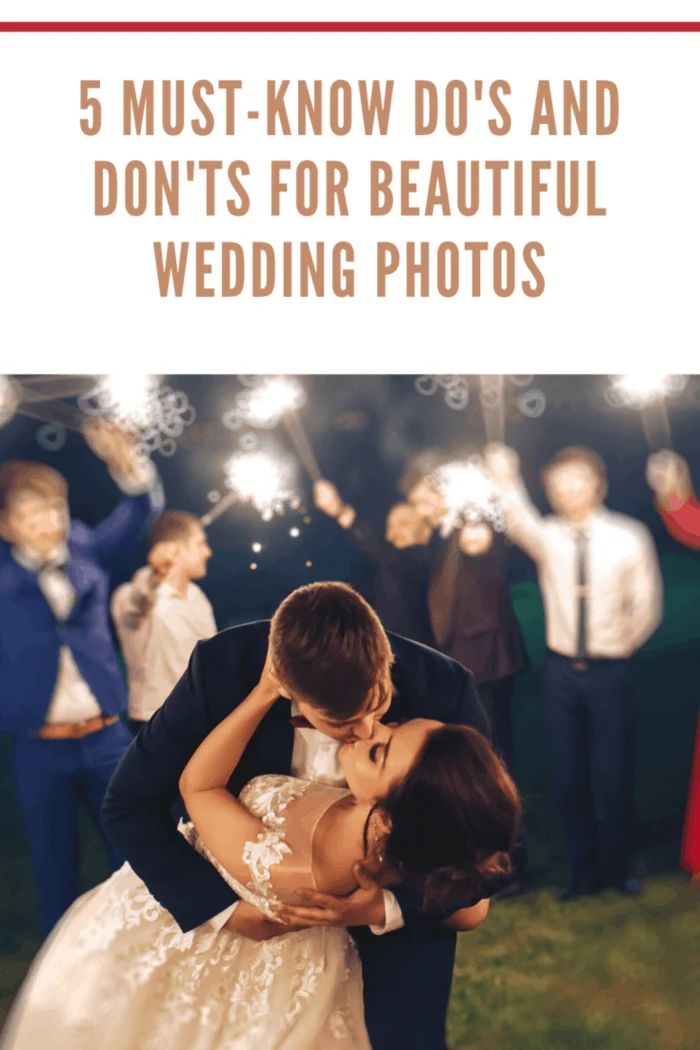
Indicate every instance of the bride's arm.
{"type": "Point", "coordinates": [222, 823]}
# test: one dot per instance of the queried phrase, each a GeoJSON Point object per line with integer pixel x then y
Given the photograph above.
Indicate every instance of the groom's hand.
{"type": "Point", "coordinates": [364, 907]}
{"type": "Point", "coordinates": [251, 923]}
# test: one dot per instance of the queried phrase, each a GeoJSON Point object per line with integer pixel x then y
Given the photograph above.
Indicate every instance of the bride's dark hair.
{"type": "Point", "coordinates": [453, 818]}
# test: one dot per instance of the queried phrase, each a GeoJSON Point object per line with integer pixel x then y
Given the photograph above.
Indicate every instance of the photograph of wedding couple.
{"type": "Point", "coordinates": [349, 712]}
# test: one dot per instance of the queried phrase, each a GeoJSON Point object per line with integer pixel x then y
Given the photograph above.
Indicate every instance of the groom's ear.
{"type": "Point", "coordinates": [282, 690]}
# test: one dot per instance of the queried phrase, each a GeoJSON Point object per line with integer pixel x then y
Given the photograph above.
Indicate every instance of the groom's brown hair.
{"type": "Point", "coordinates": [329, 648]}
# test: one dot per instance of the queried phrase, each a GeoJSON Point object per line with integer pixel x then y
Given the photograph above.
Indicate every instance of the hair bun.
{"type": "Point", "coordinates": [464, 880]}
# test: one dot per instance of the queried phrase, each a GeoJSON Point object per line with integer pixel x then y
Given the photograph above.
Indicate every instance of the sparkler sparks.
{"type": "Point", "coordinates": [156, 414]}
{"type": "Point", "coordinates": [51, 437]}
{"type": "Point", "coordinates": [456, 389]}
{"type": "Point", "coordinates": [642, 389]}
{"type": "Point", "coordinates": [532, 404]}
{"type": "Point", "coordinates": [264, 480]}
{"type": "Point", "coordinates": [468, 496]}
{"type": "Point", "coordinates": [265, 403]}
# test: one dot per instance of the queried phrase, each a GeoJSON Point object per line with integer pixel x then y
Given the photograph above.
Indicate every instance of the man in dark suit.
{"type": "Point", "coordinates": [474, 622]}
{"type": "Point", "coordinates": [343, 675]}
{"type": "Point", "coordinates": [61, 690]}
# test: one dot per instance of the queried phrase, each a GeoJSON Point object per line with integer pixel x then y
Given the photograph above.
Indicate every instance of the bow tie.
{"type": "Point", "coordinates": [299, 722]}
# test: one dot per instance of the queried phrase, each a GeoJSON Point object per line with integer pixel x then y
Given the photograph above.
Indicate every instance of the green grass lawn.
{"type": "Point", "coordinates": [610, 973]}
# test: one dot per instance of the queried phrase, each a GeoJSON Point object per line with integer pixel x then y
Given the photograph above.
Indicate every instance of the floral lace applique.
{"type": "Point", "coordinates": [136, 980]}
{"type": "Point", "coordinates": [266, 797]}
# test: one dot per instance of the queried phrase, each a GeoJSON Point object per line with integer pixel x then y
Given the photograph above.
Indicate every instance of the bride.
{"type": "Point", "coordinates": [118, 974]}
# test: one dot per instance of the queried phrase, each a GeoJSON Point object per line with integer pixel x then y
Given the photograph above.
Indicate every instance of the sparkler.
{"type": "Point", "coordinates": [9, 399]}
{"type": "Point", "coordinates": [25, 396]}
{"type": "Point", "coordinates": [648, 393]}
{"type": "Point", "coordinates": [218, 509]}
{"type": "Point", "coordinates": [269, 401]}
{"type": "Point", "coordinates": [51, 388]}
{"type": "Point", "coordinates": [261, 479]}
{"type": "Point", "coordinates": [156, 414]}
{"type": "Point", "coordinates": [493, 407]}
{"type": "Point", "coordinates": [468, 496]}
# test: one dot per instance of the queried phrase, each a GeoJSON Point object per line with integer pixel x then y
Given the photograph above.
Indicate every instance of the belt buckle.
{"type": "Point", "coordinates": [580, 665]}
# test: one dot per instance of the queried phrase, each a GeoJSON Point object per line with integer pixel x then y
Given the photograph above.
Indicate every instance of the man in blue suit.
{"type": "Point", "coordinates": [61, 689]}
{"type": "Point", "coordinates": [344, 676]}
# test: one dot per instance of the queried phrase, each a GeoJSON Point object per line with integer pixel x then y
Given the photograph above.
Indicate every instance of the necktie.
{"type": "Point", "coordinates": [299, 722]}
{"type": "Point", "coordinates": [582, 594]}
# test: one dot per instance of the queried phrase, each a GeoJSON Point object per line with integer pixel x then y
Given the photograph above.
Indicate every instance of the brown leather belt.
{"type": "Point", "coordinates": [76, 730]}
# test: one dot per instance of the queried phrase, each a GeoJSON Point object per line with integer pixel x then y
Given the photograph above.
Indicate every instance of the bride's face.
{"type": "Point", "coordinates": [372, 766]}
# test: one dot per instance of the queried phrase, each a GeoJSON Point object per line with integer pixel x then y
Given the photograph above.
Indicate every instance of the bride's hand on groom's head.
{"type": "Point", "coordinates": [269, 682]}
{"type": "Point", "coordinates": [364, 907]}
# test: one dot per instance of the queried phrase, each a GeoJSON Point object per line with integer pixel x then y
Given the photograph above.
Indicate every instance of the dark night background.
{"type": "Point", "coordinates": [363, 430]}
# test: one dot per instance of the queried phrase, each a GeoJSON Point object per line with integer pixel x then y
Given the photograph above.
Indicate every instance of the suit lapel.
{"type": "Point", "coordinates": [396, 708]}
{"type": "Point", "coordinates": [82, 576]}
{"type": "Point", "coordinates": [275, 740]}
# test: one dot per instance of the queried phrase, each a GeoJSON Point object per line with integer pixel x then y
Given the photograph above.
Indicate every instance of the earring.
{"type": "Point", "coordinates": [380, 855]}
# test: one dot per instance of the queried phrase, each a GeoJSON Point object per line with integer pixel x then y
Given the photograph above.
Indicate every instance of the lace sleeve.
{"type": "Point", "coordinates": [267, 798]}
{"type": "Point", "coordinates": [263, 901]}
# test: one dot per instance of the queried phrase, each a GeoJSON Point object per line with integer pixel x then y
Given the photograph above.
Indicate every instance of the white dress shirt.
{"type": "Point", "coordinates": [625, 589]}
{"type": "Point", "coordinates": [315, 758]}
{"type": "Point", "coordinates": [158, 650]}
{"type": "Point", "coordinates": [72, 700]}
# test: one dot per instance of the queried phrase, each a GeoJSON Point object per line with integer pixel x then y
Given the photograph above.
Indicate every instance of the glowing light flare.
{"type": "Point", "coordinates": [468, 496]}
{"type": "Point", "coordinates": [532, 404]}
{"type": "Point", "coordinates": [455, 387]}
{"type": "Point", "coordinates": [642, 389]}
{"type": "Point", "coordinates": [51, 437]}
{"type": "Point", "coordinates": [156, 414]}
{"type": "Point", "coordinates": [265, 403]}
{"type": "Point", "coordinates": [261, 479]}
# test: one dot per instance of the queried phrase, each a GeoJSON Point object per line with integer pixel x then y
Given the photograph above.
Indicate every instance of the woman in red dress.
{"type": "Point", "coordinates": [669, 477]}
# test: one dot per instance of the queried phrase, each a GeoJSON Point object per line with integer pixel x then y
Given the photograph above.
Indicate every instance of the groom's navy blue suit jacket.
{"type": "Point", "coordinates": [407, 974]}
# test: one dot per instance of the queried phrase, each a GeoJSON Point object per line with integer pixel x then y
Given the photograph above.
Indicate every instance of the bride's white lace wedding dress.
{"type": "Point", "coordinates": [117, 973]}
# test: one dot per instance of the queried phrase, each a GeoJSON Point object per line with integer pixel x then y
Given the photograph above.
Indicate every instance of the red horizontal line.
{"type": "Point", "coordinates": [350, 27]}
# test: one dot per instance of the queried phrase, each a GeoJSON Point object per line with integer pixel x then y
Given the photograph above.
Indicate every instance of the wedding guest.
{"type": "Point", "coordinates": [61, 690]}
{"type": "Point", "coordinates": [162, 614]}
{"type": "Point", "coordinates": [403, 558]}
{"type": "Point", "coordinates": [669, 477]}
{"type": "Point", "coordinates": [602, 592]}
{"type": "Point", "coordinates": [474, 622]}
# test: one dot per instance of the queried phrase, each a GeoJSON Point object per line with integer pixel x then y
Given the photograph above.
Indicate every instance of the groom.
{"type": "Point", "coordinates": [343, 676]}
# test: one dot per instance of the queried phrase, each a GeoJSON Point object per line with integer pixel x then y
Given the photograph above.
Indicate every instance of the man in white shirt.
{"type": "Point", "coordinates": [602, 592]}
{"type": "Point", "coordinates": [162, 614]}
{"type": "Point", "coordinates": [61, 690]}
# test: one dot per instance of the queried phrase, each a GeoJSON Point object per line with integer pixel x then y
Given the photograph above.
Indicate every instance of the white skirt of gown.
{"type": "Point", "coordinates": [117, 974]}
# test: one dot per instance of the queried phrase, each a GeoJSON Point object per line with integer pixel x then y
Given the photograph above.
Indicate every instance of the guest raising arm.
{"type": "Point", "coordinates": [161, 614]}
{"type": "Point", "coordinates": [602, 592]}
